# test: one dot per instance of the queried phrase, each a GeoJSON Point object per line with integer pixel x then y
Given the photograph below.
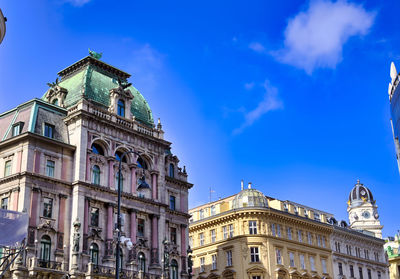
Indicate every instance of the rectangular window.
{"type": "Point", "coordinates": [202, 264]}
{"type": "Point", "coordinates": [296, 210]}
{"type": "Point", "coordinates": [229, 258]}
{"type": "Point", "coordinates": [4, 203]}
{"type": "Point", "coordinates": [273, 230]}
{"type": "Point", "coordinates": [302, 263]}
{"type": "Point", "coordinates": [369, 274]}
{"type": "Point", "coordinates": [351, 271]}
{"type": "Point", "coordinates": [50, 165]}
{"type": "Point", "coordinates": [7, 168]}
{"type": "Point", "coordinates": [213, 262]}
{"type": "Point", "coordinates": [323, 242]}
{"type": "Point", "coordinates": [360, 271]}
{"type": "Point", "coordinates": [312, 264]}
{"type": "Point", "coordinates": [300, 235]}
{"type": "Point", "coordinates": [278, 230]}
{"type": "Point", "coordinates": [94, 217]}
{"type": "Point", "coordinates": [317, 216]}
{"type": "Point", "coordinates": [172, 202]}
{"type": "Point", "coordinates": [173, 235]}
{"type": "Point", "coordinates": [379, 275]}
{"type": "Point", "coordinates": [201, 213]}
{"type": "Point", "coordinates": [48, 130]}
{"type": "Point", "coordinates": [305, 213]}
{"type": "Point", "coordinates": [190, 241]}
{"type": "Point", "coordinates": [323, 263]}
{"type": "Point", "coordinates": [140, 227]}
{"type": "Point", "coordinates": [291, 259]}
{"type": "Point", "coordinates": [278, 256]}
{"type": "Point", "coordinates": [213, 236]}
{"type": "Point", "coordinates": [230, 230]}
{"type": "Point", "coordinates": [252, 227]}
{"type": "Point", "coordinates": [225, 232]}
{"type": "Point", "coordinates": [201, 237]}
{"type": "Point", "coordinates": [285, 207]}
{"type": "Point", "coordinates": [213, 211]}
{"type": "Point", "coordinates": [340, 268]}
{"type": "Point", "coordinates": [309, 238]}
{"type": "Point", "coordinates": [318, 240]}
{"type": "Point", "coordinates": [16, 129]}
{"type": "Point", "coordinates": [256, 277]}
{"type": "Point", "coordinates": [366, 254]}
{"type": "Point", "coordinates": [47, 207]}
{"type": "Point", "coordinates": [289, 233]}
{"type": "Point", "coordinates": [254, 256]}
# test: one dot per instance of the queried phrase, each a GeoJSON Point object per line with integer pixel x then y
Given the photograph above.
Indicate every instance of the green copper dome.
{"type": "Point", "coordinates": [92, 79]}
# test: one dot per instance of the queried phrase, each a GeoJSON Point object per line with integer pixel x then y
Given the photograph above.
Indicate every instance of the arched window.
{"type": "Point", "coordinates": [141, 163]}
{"type": "Point", "coordinates": [121, 108]}
{"type": "Point", "coordinates": [142, 262]}
{"type": "Point", "coordinates": [118, 155]}
{"type": "Point", "coordinates": [171, 171]}
{"type": "Point", "coordinates": [45, 248]}
{"type": "Point", "coordinates": [117, 181]}
{"type": "Point", "coordinates": [97, 149]}
{"type": "Point", "coordinates": [94, 253]}
{"type": "Point", "coordinates": [55, 102]}
{"type": "Point", "coordinates": [96, 175]}
{"type": "Point", "coordinates": [174, 269]}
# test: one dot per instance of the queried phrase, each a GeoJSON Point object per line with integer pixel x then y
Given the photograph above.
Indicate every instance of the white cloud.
{"type": "Point", "coordinates": [269, 103]}
{"type": "Point", "coordinates": [77, 3]}
{"type": "Point", "coordinates": [257, 47]}
{"type": "Point", "coordinates": [315, 38]}
{"type": "Point", "coordinates": [249, 85]}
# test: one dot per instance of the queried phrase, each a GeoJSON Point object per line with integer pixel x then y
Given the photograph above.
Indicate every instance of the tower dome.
{"type": "Point", "coordinates": [359, 195]}
{"type": "Point", "coordinates": [249, 198]}
{"type": "Point", "coordinates": [92, 79]}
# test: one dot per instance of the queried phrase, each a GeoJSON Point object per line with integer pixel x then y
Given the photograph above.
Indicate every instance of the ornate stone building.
{"type": "Point", "coordinates": [393, 253]}
{"type": "Point", "coordinates": [252, 236]}
{"type": "Point", "coordinates": [59, 158]}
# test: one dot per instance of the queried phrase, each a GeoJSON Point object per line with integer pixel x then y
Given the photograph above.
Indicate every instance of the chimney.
{"type": "Point", "coordinates": [249, 185]}
{"type": "Point", "coordinates": [241, 185]}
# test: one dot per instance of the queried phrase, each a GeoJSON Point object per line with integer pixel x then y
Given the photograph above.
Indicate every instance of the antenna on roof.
{"type": "Point", "coordinates": [241, 184]}
{"type": "Point", "coordinates": [211, 191]}
{"type": "Point", "coordinates": [249, 186]}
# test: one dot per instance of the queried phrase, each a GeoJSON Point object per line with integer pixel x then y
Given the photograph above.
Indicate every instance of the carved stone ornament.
{"type": "Point", "coordinates": [56, 94]}
{"type": "Point", "coordinates": [95, 233]}
{"type": "Point", "coordinates": [76, 236]}
{"type": "Point", "coordinates": [47, 226]}
{"type": "Point", "coordinates": [97, 160]}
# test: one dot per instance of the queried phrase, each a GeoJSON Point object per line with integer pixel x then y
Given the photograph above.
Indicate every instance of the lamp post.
{"type": "Point", "coordinates": [190, 262]}
{"type": "Point", "coordinates": [117, 261]}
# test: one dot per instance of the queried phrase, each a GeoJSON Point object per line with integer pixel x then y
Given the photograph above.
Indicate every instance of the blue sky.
{"type": "Point", "coordinates": [290, 95]}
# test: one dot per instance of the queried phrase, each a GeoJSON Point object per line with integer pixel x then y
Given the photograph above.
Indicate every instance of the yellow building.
{"type": "Point", "coordinates": [252, 236]}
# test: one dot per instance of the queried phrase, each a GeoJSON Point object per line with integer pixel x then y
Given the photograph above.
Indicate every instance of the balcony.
{"type": "Point", "coordinates": [107, 271]}
{"type": "Point", "coordinates": [36, 265]}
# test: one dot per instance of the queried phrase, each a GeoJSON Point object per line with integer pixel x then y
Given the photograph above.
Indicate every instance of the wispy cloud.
{"type": "Point", "coordinates": [270, 102]}
{"type": "Point", "coordinates": [257, 47]}
{"type": "Point", "coordinates": [249, 85]}
{"type": "Point", "coordinates": [77, 3]}
{"type": "Point", "coordinates": [315, 38]}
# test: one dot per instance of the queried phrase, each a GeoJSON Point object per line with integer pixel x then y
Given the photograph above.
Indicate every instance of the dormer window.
{"type": "Point", "coordinates": [17, 128]}
{"type": "Point", "coordinates": [121, 108]}
{"type": "Point", "coordinates": [48, 130]}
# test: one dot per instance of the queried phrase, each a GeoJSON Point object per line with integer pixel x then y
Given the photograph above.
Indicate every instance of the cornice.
{"type": "Point", "coordinates": [29, 135]}
{"type": "Point", "coordinates": [185, 184]}
{"type": "Point", "coordinates": [21, 175]}
{"type": "Point", "coordinates": [178, 213]}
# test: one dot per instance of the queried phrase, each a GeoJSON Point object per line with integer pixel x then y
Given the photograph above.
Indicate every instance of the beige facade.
{"type": "Point", "coordinates": [393, 253]}
{"type": "Point", "coordinates": [254, 237]}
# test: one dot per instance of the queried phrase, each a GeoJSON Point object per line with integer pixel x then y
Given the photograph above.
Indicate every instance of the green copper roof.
{"type": "Point", "coordinates": [92, 79]}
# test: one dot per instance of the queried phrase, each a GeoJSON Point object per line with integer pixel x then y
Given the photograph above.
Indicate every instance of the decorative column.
{"type": "Point", "coordinates": [33, 216]}
{"type": "Point", "coordinates": [133, 179]}
{"type": "Point", "coordinates": [61, 221]}
{"type": "Point", "coordinates": [132, 253]}
{"type": "Point", "coordinates": [154, 175]}
{"type": "Point", "coordinates": [14, 199]}
{"type": "Point", "coordinates": [111, 173]}
{"type": "Point", "coordinates": [183, 248]}
{"type": "Point", "coordinates": [109, 238]}
{"type": "Point", "coordinates": [154, 240]}
{"type": "Point", "coordinates": [85, 226]}
{"type": "Point", "coordinates": [19, 161]}
{"type": "Point", "coordinates": [36, 161]}
{"type": "Point", "coordinates": [87, 168]}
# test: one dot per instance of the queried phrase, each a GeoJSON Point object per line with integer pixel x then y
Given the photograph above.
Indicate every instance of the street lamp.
{"type": "Point", "coordinates": [117, 262]}
{"type": "Point", "coordinates": [190, 262]}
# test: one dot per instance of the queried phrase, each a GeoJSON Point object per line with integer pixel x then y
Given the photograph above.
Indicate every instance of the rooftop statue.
{"type": "Point", "coordinates": [95, 55]}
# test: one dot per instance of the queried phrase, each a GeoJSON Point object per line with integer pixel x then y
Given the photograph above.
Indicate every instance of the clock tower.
{"type": "Point", "coordinates": [363, 211]}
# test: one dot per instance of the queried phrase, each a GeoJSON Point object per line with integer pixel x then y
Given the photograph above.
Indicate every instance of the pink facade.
{"type": "Point", "coordinates": [183, 241]}
{"type": "Point", "coordinates": [155, 186]}
{"type": "Point", "coordinates": [37, 161]}
{"type": "Point", "coordinates": [111, 173]}
{"type": "Point", "coordinates": [33, 207]}
{"type": "Point", "coordinates": [133, 180]}
{"type": "Point", "coordinates": [86, 217]}
{"type": "Point", "coordinates": [19, 161]}
{"type": "Point", "coordinates": [110, 221]}
{"type": "Point", "coordinates": [14, 199]}
{"type": "Point", "coordinates": [154, 232]}
{"type": "Point", "coordinates": [133, 226]}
